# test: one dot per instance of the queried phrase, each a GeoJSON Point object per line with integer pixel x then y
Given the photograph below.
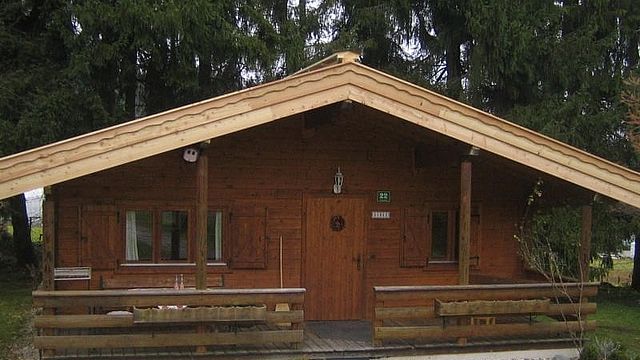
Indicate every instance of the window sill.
{"type": "Point", "coordinates": [442, 262]}
{"type": "Point", "coordinates": [168, 264]}
{"type": "Point", "coordinates": [442, 265]}
{"type": "Point", "coordinates": [169, 268]}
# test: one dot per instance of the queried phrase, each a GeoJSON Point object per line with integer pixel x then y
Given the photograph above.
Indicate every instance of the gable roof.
{"type": "Point", "coordinates": [325, 83]}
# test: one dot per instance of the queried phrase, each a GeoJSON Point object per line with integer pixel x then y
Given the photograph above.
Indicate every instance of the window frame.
{"type": "Point", "coordinates": [156, 236]}
{"type": "Point", "coordinates": [451, 255]}
{"type": "Point", "coordinates": [224, 237]}
{"type": "Point", "coordinates": [156, 217]}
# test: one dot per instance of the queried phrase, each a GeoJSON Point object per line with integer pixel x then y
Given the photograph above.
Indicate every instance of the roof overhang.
{"type": "Point", "coordinates": [346, 80]}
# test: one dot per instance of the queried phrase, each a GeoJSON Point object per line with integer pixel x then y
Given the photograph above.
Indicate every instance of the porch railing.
{"type": "Point", "coordinates": [459, 312]}
{"type": "Point", "coordinates": [167, 318]}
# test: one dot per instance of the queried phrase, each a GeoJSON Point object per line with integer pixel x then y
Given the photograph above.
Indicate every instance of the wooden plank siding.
{"type": "Point", "coordinates": [274, 166]}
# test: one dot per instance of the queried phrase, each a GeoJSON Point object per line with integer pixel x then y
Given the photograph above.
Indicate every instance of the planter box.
{"type": "Point", "coordinates": [481, 307]}
{"type": "Point", "coordinates": [200, 314]}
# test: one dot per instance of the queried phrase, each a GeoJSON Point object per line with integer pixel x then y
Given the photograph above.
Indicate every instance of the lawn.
{"type": "Point", "coordinates": [15, 310]}
{"type": "Point", "coordinates": [620, 275]}
{"type": "Point", "coordinates": [618, 313]}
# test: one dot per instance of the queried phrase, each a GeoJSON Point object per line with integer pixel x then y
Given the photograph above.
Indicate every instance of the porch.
{"type": "Point", "coordinates": [247, 323]}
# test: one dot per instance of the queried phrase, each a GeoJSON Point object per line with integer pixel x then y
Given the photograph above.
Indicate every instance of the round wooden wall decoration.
{"type": "Point", "coordinates": [337, 223]}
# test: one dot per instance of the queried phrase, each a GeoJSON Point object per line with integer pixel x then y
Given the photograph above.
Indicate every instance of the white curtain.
{"type": "Point", "coordinates": [132, 237]}
{"type": "Point", "coordinates": [218, 238]}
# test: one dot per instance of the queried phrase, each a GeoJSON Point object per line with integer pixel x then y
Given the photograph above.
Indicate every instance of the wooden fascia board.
{"type": "Point", "coordinates": [237, 111]}
{"type": "Point", "coordinates": [432, 111]}
{"type": "Point", "coordinates": [167, 131]}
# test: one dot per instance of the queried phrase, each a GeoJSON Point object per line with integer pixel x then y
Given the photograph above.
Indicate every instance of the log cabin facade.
{"type": "Point", "coordinates": [430, 193]}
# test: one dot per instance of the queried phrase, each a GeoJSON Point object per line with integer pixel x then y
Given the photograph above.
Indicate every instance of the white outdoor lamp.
{"type": "Point", "coordinates": [338, 179]}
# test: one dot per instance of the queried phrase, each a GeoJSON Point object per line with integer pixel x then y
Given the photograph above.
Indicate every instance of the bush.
{"type": "Point", "coordinates": [605, 349]}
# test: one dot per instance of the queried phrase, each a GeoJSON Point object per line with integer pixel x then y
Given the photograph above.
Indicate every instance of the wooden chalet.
{"type": "Point", "coordinates": [337, 212]}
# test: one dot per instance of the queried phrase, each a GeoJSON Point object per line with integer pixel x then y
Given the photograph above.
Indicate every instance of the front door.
{"type": "Point", "coordinates": [334, 258]}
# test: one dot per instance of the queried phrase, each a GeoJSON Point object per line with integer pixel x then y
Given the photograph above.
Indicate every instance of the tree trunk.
{"type": "Point", "coordinates": [635, 279]}
{"type": "Point", "coordinates": [130, 82]}
{"type": "Point", "coordinates": [21, 231]}
{"type": "Point", "coordinates": [454, 70]}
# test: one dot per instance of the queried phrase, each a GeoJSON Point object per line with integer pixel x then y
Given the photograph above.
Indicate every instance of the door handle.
{"type": "Point", "coordinates": [359, 262]}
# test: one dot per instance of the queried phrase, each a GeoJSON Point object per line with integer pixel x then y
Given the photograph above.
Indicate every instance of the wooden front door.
{"type": "Point", "coordinates": [334, 258]}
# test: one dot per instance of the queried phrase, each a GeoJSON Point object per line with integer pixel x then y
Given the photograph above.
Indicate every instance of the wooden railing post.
{"type": "Point", "coordinates": [48, 250]}
{"type": "Point", "coordinates": [48, 256]}
{"type": "Point", "coordinates": [464, 246]}
{"type": "Point", "coordinates": [377, 322]}
{"type": "Point", "coordinates": [202, 193]}
{"type": "Point", "coordinates": [585, 244]}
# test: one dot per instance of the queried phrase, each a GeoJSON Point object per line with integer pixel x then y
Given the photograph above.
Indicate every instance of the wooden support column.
{"type": "Point", "coordinates": [48, 256]}
{"type": "Point", "coordinates": [464, 246]}
{"type": "Point", "coordinates": [48, 245]}
{"type": "Point", "coordinates": [585, 243]}
{"type": "Point", "coordinates": [202, 208]}
{"type": "Point", "coordinates": [202, 193]}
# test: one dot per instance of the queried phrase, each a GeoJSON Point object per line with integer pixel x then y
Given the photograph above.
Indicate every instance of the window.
{"type": "Point", "coordinates": [444, 239]}
{"type": "Point", "coordinates": [139, 236]}
{"type": "Point", "coordinates": [166, 242]}
{"type": "Point", "coordinates": [432, 236]}
{"type": "Point", "coordinates": [165, 236]}
{"type": "Point", "coordinates": [173, 245]}
{"type": "Point", "coordinates": [214, 236]}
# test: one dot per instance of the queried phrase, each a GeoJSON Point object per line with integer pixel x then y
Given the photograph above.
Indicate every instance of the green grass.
{"type": "Point", "coordinates": [618, 316]}
{"type": "Point", "coordinates": [620, 275]}
{"type": "Point", "coordinates": [36, 232]}
{"type": "Point", "coordinates": [15, 308]}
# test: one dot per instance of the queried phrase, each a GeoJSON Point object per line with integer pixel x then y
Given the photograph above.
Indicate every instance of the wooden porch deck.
{"type": "Point", "coordinates": [325, 340]}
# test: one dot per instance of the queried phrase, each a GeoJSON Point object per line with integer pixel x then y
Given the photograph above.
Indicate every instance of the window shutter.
{"type": "Point", "coordinates": [414, 247]}
{"type": "Point", "coordinates": [474, 253]}
{"type": "Point", "coordinates": [248, 241]}
{"type": "Point", "coordinates": [100, 233]}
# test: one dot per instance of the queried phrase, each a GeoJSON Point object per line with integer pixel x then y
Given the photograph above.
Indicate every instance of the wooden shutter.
{"type": "Point", "coordinates": [100, 236]}
{"type": "Point", "coordinates": [248, 240]}
{"type": "Point", "coordinates": [415, 244]}
{"type": "Point", "coordinates": [474, 253]}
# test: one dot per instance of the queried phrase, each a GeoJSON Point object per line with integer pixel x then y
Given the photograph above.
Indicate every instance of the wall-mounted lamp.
{"type": "Point", "coordinates": [190, 154]}
{"type": "Point", "coordinates": [337, 184]}
{"type": "Point", "coordinates": [474, 151]}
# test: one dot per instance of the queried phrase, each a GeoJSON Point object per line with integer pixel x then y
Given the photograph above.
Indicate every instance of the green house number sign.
{"type": "Point", "coordinates": [384, 196]}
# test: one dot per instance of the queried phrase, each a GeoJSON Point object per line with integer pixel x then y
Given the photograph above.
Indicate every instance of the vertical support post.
{"type": "Point", "coordinates": [585, 243]}
{"type": "Point", "coordinates": [48, 256]}
{"type": "Point", "coordinates": [48, 251]}
{"type": "Point", "coordinates": [464, 246]}
{"type": "Point", "coordinates": [202, 206]}
{"type": "Point", "coordinates": [202, 193]}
